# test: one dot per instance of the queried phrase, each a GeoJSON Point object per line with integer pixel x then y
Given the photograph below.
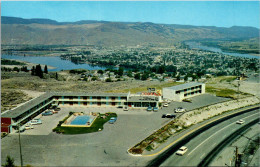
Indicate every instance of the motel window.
{"type": "Point", "coordinates": [113, 98]}
{"type": "Point", "coordinates": [85, 97]}
{"type": "Point", "coordinates": [123, 98]}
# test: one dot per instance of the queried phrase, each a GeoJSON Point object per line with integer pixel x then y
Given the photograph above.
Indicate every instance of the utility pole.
{"type": "Point", "coordinates": [238, 84]}
{"type": "Point", "coordinates": [21, 157]}
{"type": "Point", "coordinates": [236, 159]}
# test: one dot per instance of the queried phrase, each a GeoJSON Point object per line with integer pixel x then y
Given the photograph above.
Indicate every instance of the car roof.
{"type": "Point", "coordinates": [183, 147]}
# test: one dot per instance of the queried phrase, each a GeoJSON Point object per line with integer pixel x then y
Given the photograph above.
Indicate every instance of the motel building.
{"type": "Point", "coordinates": [29, 110]}
{"type": "Point", "coordinates": [183, 91]}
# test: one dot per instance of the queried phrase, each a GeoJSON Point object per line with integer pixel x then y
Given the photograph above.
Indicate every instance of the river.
{"type": "Point", "coordinates": [196, 45]}
{"type": "Point", "coordinates": [56, 62]}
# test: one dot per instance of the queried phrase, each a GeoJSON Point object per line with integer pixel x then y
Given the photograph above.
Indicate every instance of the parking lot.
{"type": "Point", "coordinates": [42, 147]}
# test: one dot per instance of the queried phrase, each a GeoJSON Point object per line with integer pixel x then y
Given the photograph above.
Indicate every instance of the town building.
{"type": "Point", "coordinates": [183, 91]}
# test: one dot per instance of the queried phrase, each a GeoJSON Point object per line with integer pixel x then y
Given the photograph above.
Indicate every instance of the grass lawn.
{"type": "Point", "coordinates": [98, 124]}
{"type": "Point", "coordinates": [228, 93]}
{"type": "Point", "coordinates": [144, 88]}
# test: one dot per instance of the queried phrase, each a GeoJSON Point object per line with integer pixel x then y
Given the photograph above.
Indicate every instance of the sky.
{"type": "Point", "coordinates": [201, 13]}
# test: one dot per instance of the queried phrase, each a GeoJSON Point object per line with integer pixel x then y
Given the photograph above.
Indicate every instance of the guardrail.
{"type": "Point", "coordinates": [174, 146]}
{"type": "Point", "coordinates": [206, 161]}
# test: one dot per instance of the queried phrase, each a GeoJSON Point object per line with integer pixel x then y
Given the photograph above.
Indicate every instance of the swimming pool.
{"type": "Point", "coordinates": [82, 120]}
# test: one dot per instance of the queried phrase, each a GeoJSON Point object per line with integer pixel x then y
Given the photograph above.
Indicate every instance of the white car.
{"type": "Point", "coordinates": [182, 150]}
{"type": "Point", "coordinates": [241, 121]}
{"type": "Point", "coordinates": [28, 126]}
{"type": "Point", "coordinates": [179, 109]}
{"type": "Point", "coordinates": [125, 108]}
{"type": "Point", "coordinates": [165, 105]}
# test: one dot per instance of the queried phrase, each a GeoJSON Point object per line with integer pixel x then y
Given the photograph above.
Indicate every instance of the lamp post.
{"type": "Point", "coordinates": [21, 157]}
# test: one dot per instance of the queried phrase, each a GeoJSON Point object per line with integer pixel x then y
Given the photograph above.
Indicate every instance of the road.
{"type": "Point", "coordinates": [202, 144]}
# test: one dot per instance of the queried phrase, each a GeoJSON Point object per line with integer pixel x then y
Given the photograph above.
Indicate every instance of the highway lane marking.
{"type": "Point", "coordinates": [210, 137]}
{"type": "Point", "coordinates": [172, 143]}
{"type": "Point", "coordinates": [202, 155]}
{"type": "Point", "coordinates": [217, 132]}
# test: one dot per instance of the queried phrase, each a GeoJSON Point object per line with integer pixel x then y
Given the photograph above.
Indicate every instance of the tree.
{"type": "Point", "coordinates": [38, 71]}
{"type": "Point", "coordinates": [161, 69]}
{"type": "Point", "coordinates": [56, 76]}
{"type": "Point", "coordinates": [46, 69]}
{"type": "Point", "coordinates": [16, 69]}
{"type": "Point", "coordinates": [33, 70]}
{"type": "Point", "coordinates": [24, 68]}
{"type": "Point", "coordinates": [129, 74]}
{"type": "Point", "coordinates": [108, 80]}
{"type": "Point", "coordinates": [145, 76]}
{"type": "Point", "coordinates": [100, 72]}
{"type": "Point", "coordinates": [9, 162]}
{"type": "Point", "coordinates": [120, 71]}
{"type": "Point", "coordinates": [137, 76]}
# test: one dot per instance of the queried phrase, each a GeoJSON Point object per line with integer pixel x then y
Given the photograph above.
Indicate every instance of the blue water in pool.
{"type": "Point", "coordinates": [81, 120]}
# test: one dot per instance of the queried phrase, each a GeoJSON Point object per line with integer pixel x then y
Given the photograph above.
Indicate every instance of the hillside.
{"type": "Point", "coordinates": [104, 33]}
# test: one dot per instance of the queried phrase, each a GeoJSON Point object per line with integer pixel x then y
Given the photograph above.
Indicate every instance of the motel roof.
{"type": "Point", "coordinates": [184, 86]}
{"type": "Point", "coordinates": [89, 94]}
{"type": "Point", "coordinates": [26, 106]}
{"type": "Point", "coordinates": [34, 102]}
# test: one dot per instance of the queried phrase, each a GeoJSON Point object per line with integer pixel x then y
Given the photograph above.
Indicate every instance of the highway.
{"type": "Point", "coordinates": [203, 144]}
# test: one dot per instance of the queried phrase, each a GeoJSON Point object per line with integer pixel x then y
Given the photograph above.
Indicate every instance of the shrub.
{"type": "Point", "coordinates": [136, 151]}
{"type": "Point", "coordinates": [149, 148]}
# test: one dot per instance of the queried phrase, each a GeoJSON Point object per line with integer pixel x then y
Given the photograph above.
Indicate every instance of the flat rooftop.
{"type": "Point", "coordinates": [184, 86]}
{"type": "Point", "coordinates": [26, 106]}
{"type": "Point", "coordinates": [89, 94]}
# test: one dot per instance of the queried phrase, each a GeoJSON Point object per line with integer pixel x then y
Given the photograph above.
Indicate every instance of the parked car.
{"type": "Point", "coordinates": [28, 126]}
{"type": "Point", "coordinates": [54, 111]}
{"type": "Point", "coordinates": [241, 121]}
{"type": "Point", "coordinates": [149, 109]}
{"type": "Point", "coordinates": [22, 129]}
{"type": "Point", "coordinates": [165, 105]}
{"type": "Point", "coordinates": [155, 109]}
{"type": "Point", "coordinates": [112, 120]}
{"type": "Point", "coordinates": [168, 116]}
{"type": "Point", "coordinates": [46, 113]}
{"type": "Point", "coordinates": [125, 108]}
{"type": "Point", "coordinates": [57, 109]}
{"type": "Point", "coordinates": [35, 121]}
{"type": "Point", "coordinates": [182, 150]}
{"type": "Point", "coordinates": [179, 109]}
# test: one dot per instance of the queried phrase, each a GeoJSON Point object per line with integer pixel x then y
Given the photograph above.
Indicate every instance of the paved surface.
{"type": "Point", "coordinates": [199, 101]}
{"type": "Point", "coordinates": [227, 155]}
{"type": "Point", "coordinates": [202, 144]}
{"type": "Point", "coordinates": [42, 147]}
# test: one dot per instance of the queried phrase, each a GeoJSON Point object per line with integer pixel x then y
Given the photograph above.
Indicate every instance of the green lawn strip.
{"type": "Point", "coordinates": [228, 93]}
{"type": "Point", "coordinates": [97, 124]}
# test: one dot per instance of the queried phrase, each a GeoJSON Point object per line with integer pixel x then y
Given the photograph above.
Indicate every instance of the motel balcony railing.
{"type": "Point", "coordinates": [36, 110]}
{"type": "Point", "coordinates": [91, 100]}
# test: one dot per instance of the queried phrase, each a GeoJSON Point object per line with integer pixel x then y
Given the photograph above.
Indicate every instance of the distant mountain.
{"type": "Point", "coordinates": [104, 33]}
